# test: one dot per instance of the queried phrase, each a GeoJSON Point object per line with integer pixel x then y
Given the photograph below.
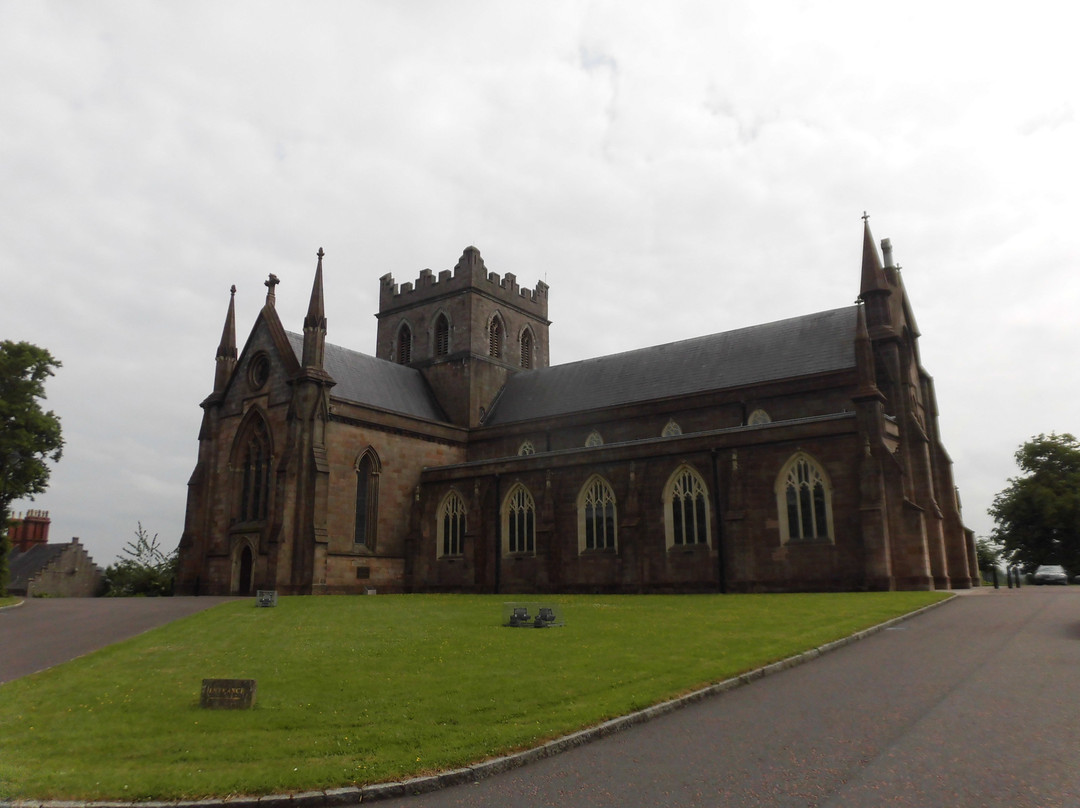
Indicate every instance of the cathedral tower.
{"type": "Point", "coordinates": [467, 331]}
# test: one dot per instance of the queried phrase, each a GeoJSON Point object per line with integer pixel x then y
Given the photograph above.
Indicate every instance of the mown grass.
{"type": "Point", "coordinates": [367, 689]}
{"type": "Point", "coordinates": [8, 600]}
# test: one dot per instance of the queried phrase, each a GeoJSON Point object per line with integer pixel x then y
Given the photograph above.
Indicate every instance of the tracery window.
{"type": "Point", "coordinates": [597, 529]}
{"type": "Point", "coordinates": [526, 349]}
{"type": "Point", "coordinates": [526, 448]}
{"type": "Point", "coordinates": [519, 522]}
{"type": "Point", "coordinates": [442, 335]}
{"type": "Point", "coordinates": [594, 439]}
{"type": "Point", "coordinates": [757, 417]}
{"type": "Point", "coordinates": [451, 529]}
{"type": "Point", "coordinates": [686, 509]}
{"type": "Point", "coordinates": [671, 429]}
{"type": "Point", "coordinates": [255, 466]}
{"type": "Point", "coordinates": [404, 344]}
{"type": "Point", "coordinates": [804, 500]}
{"type": "Point", "coordinates": [495, 337]}
{"type": "Point", "coordinates": [367, 499]}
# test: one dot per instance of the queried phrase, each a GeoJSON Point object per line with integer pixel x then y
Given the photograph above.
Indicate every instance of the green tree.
{"type": "Point", "coordinates": [988, 553]}
{"type": "Point", "coordinates": [28, 435]}
{"type": "Point", "coordinates": [1038, 515]}
{"type": "Point", "coordinates": [145, 571]}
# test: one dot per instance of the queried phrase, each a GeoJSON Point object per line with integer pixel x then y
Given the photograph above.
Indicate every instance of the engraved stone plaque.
{"type": "Point", "coordinates": [228, 694]}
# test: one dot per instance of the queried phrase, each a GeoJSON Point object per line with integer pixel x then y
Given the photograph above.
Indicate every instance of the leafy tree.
{"type": "Point", "coordinates": [145, 571]}
{"type": "Point", "coordinates": [28, 436]}
{"type": "Point", "coordinates": [1038, 515]}
{"type": "Point", "coordinates": [5, 548]}
{"type": "Point", "coordinates": [988, 553]}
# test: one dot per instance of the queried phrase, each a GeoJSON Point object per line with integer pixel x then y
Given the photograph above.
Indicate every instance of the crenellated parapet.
{"type": "Point", "coordinates": [469, 273]}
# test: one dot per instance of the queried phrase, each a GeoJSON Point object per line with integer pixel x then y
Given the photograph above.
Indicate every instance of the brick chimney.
{"type": "Point", "coordinates": [26, 531]}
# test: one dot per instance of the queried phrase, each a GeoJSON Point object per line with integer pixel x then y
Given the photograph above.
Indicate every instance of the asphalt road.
{"type": "Point", "coordinates": [43, 632]}
{"type": "Point", "coordinates": [976, 703]}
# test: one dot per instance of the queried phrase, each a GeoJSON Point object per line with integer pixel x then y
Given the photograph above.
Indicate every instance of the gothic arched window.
{"type": "Point", "coordinates": [404, 341]}
{"type": "Point", "coordinates": [597, 529]}
{"type": "Point", "coordinates": [758, 417]}
{"type": "Point", "coordinates": [451, 527]}
{"type": "Point", "coordinates": [254, 462]}
{"type": "Point", "coordinates": [671, 429]}
{"type": "Point", "coordinates": [526, 349]}
{"type": "Point", "coordinates": [442, 335]}
{"type": "Point", "coordinates": [804, 500]}
{"type": "Point", "coordinates": [367, 499]}
{"type": "Point", "coordinates": [686, 509]}
{"type": "Point", "coordinates": [495, 337]}
{"type": "Point", "coordinates": [519, 522]}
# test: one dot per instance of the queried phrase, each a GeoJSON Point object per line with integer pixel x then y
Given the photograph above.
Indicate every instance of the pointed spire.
{"type": "Point", "coordinates": [226, 352]}
{"type": "Point", "coordinates": [873, 276]}
{"type": "Point", "coordinates": [316, 315]}
{"type": "Point", "coordinates": [315, 322]}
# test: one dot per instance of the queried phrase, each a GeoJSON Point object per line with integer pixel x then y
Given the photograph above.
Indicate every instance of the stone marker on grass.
{"type": "Point", "coordinates": [227, 694]}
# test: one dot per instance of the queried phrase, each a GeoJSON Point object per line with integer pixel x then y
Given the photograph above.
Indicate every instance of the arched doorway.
{"type": "Point", "coordinates": [243, 586]}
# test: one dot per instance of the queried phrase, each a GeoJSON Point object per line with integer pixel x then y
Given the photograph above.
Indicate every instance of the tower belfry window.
{"type": "Point", "coordinates": [495, 338]}
{"type": "Point", "coordinates": [442, 336]}
{"type": "Point", "coordinates": [527, 349]}
{"type": "Point", "coordinates": [404, 344]}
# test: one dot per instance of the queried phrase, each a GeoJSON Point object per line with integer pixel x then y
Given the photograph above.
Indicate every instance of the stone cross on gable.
{"type": "Point", "coordinates": [270, 283]}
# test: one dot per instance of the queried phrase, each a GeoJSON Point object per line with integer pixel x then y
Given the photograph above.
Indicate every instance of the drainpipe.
{"type": "Point", "coordinates": [721, 584]}
{"type": "Point", "coordinates": [498, 532]}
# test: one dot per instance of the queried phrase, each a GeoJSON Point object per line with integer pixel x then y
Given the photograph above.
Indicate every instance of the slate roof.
{"type": "Point", "coordinates": [25, 565]}
{"type": "Point", "coordinates": [800, 346]}
{"type": "Point", "coordinates": [363, 379]}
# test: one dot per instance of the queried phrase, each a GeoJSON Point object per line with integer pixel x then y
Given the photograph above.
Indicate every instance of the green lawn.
{"type": "Point", "coordinates": [354, 690]}
{"type": "Point", "coordinates": [8, 600]}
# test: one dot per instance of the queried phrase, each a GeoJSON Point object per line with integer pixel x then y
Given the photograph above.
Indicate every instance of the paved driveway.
{"type": "Point", "coordinates": [47, 631]}
{"type": "Point", "coordinates": [976, 703]}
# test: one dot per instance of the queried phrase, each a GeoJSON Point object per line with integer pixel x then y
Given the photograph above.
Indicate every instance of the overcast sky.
{"type": "Point", "coordinates": [670, 169]}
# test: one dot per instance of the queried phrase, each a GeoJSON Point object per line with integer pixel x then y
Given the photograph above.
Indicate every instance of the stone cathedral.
{"type": "Point", "coordinates": [802, 454]}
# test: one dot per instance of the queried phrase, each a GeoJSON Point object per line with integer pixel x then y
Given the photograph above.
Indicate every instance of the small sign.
{"type": "Point", "coordinates": [266, 597]}
{"type": "Point", "coordinates": [227, 694]}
